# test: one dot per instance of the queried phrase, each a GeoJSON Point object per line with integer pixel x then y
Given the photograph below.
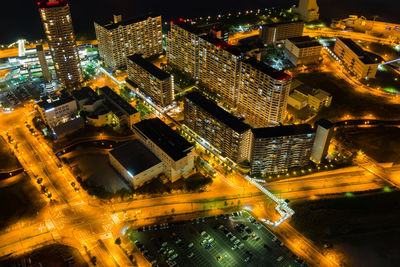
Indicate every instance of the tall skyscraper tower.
{"type": "Point", "coordinates": [43, 63]}
{"type": "Point", "coordinates": [57, 23]}
{"type": "Point", "coordinates": [308, 10]}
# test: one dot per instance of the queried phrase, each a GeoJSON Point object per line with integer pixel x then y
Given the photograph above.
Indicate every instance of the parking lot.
{"type": "Point", "coordinates": [235, 239]}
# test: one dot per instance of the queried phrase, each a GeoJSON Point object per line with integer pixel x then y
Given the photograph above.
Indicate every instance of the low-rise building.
{"type": "Point", "coordinates": [57, 110]}
{"type": "Point", "coordinates": [126, 113]}
{"type": "Point", "coordinates": [136, 163]}
{"type": "Point", "coordinates": [274, 32]}
{"type": "Point", "coordinates": [302, 50]}
{"type": "Point", "coordinates": [297, 100]}
{"type": "Point", "coordinates": [314, 98]}
{"type": "Point", "coordinates": [277, 149]}
{"type": "Point", "coordinates": [174, 151]}
{"type": "Point", "coordinates": [151, 81]}
{"type": "Point", "coordinates": [360, 63]}
{"type": "Point", "coordinates": [218, 127]}
{"type": "Point", "coordinates": [64, 129]}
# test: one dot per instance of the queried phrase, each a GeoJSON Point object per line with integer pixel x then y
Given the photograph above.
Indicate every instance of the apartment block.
{"type": "Point", "coordinates": [57, 24]}
{"type": "Point", "coordinates": [277, 149]}
{"type": "Point", "coordinates": [218, 127]}
{"type": "Point", "coordinates": [263, 93]}
{"type": "Point", "coordinates": [355, 59]}
{"type": "Point", "coordinates": [302, 50]}
{"type": "Point", "coordinates": [122, 38]}
{"type": "Point", "coordinates": [151, 81]}
{"type": "Point", "coordinates": [275, 32]}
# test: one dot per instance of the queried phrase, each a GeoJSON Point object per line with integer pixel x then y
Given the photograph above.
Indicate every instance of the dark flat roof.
{"type": "Point", "coordinates": [135, 157]}
{"type": "Point", "coordinates": [364, 57]}
{"type": "Point", "coordinates": [149, 67]}
{"type": "Point", "coordinates": [217, 112]}
{"type": "Point", "coordinates": [83, 93]}
{"type": "Point", "coordinates": [63, 99]}
{"type": "Point", "coordinates": [165, 138]}
{"type": "Point", "coordinates": [324, 123]}
{"type": "Point", "coordinates": [48, 4]}
{"type": "Point", "coordinates": [283, 23]}
{"type": "Point", "coordinates": [278, 131]}
{"type": "Point", "coordinates": [222, 44]}
{"type": "Point", "coordinates": [188, 26]}
{"type": "Point", "coordinates": [111, 25]}
{"type": "Point", "coordinates": [118, 100]}
{"type": "Point", "coordinates": [304, 41]}
{"type": "Point", "coordinates": [270, 71]}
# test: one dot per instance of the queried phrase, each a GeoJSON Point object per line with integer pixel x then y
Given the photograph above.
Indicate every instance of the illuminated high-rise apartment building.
{"type": "Point", "coordinates": [182, 46]}
{"type": "Point", "coordinates": [57, 23]}
{"type": "Point", "coordinates": [259, 92]}
{"type": "Point", "coordinates": [122, 38]}
{"type": "Point", "coordinates": [150, 80]}
{"type": "Point", "coordinates": [263, 93]}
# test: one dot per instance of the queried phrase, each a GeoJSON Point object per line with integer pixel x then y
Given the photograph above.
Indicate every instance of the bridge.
{"type": "Point", "coordinates": [389, 62]}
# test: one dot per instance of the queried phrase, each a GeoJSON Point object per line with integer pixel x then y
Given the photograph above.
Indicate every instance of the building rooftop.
{"type": "Point", "coordinates": [217, 112]}
{"type": "Point", "coordinates": [222, 44]}
{"type": "Point", "coordinates": [324, 123]}
{"type": "Point", "coordinates": [283, 23]}
{"type": "Point", "coordinates": [135, 157]}
{"type": "Point", "coordinates": [165, 138]}
{"type": "Point", "coordinates": [52, 3]}
{"type": "Point", "coordinates": [306, 90]}
{"type": "Point", "coordinates": [84, 93]}
{"type": "Point", "coordinates": [118, 100]}
{"type": "Point", "coordinates": [289, 130]}
{"type": "Point", "coordinates": [298, 96]}
{"type": "Point", "coordinates": [362, 55]}
{"type": "Point", "coordinates": [271, 72]}
{"type": "Point", "coordinates": [304, 41]}
{"type": "Point", "coordinates": [187, 26]}
{"type": "Point", "coordinates": [48, 104]}
{"type": "Point", "coordinates": [149, 67]}
{"type": "Point", "coordinates": [111, 25]}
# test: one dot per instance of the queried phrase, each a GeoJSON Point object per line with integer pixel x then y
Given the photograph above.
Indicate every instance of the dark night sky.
{"type": "Point", "coordinates": [21, 18]}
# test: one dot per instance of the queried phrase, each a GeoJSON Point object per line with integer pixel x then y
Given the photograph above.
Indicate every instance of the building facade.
{"type": "Point", "coordinates": [43, 64]}
{"type": "Point", "coordinates": [355, 59]}
{"type": "Point", "coordinates": [172, 149]}
{"type": "Point", "coordinates": [263, 93]}
{"type": "Point", "coordinates": [123, 38]}
{"type": "Point", "coordinates": [57, 23]}
{"type": "Point", "coordinates": [58, 110]}
{"type": "Point", "coordinates": [218, 127]}
{"type": "Point", "coordinates": [136, 163]}
{"type": "Point", "coordinates": [127, 114]}
{"type": "Point", "coordinates": [151, 81]}
{"type": "Point", "coordinates": [272, 33]}
{"type": "Point", "coordinates": [322, 140]}
{"type": "Point", "coordinates": [182, 48]}
{"type": "Point", "coordinates": [303, 50]}
{"type": "Point", "coordinates": [308, 10]}
{"type": "Point", "coordinates": [219, 65]}
{"type": "Point", "coordinates": [277, 149]}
